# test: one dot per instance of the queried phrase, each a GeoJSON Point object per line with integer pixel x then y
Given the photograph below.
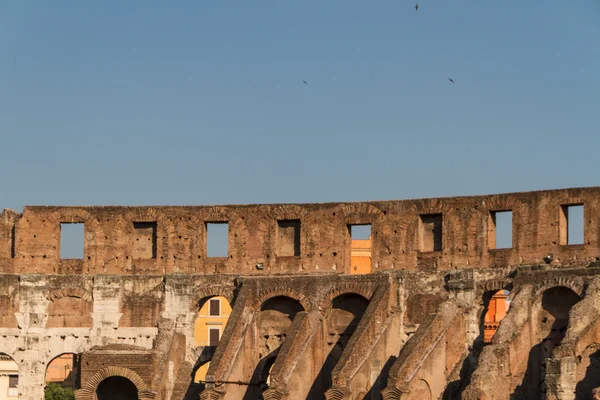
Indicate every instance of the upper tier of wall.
{"type": "Point", "coordinates": [442, 233]}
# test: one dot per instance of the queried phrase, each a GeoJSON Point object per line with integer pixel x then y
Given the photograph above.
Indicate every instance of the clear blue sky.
{"type": "Point", "coordinates": [203, 102]}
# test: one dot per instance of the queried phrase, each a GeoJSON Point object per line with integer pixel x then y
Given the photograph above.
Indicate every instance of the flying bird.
{"type": "Point", "coordinates": [305, 82]}
{"type": "Point", "coordinates": [450, 79]}
{"type": "Point", "coordinates": [416, 6]}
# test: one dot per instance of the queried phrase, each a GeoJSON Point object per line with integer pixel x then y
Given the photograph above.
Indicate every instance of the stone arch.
{"type": "Point", "coordinates": [57, 367]}
{"type": "Point", "coordinates": [499, 203]}
{"type": "Point", "coordinates": [75, 292]}
{"type": "Point", "coordinates": [494, 285]}
{"type": "Point", "coordinates": [290, 293]}
{"type": "Point", "coordinates": [493, 310]}
{"type": "Point", "coordinates": [345, 312]}
{"type": "Point", "coordinates": [428, 206]}
{"type": "Point", "coordinates": [365, 290]}
{"type": "Point", "coordinates": [576, 284]}
{"type": "Point", "coordinates": [353, 213]}
{"type": "Point", "coordinates": [88, 391]}
{"type": "Point", "coordinates": [206, 293]}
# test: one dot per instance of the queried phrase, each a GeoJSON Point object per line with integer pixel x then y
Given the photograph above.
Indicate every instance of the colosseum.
{"type": "Point", "coordinates": [481, 297]}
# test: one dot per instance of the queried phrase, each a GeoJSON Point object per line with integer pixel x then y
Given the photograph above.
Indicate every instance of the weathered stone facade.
{"type": "Point", "coordinates": [303, 325]}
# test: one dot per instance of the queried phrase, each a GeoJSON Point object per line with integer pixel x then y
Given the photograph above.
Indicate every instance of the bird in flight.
{"type": "Point", "coordinates": [305, 82]}
{"type": "Point", "coordinates": [416, 6]}
{"type": "Point", "coordinates": [450, 79]}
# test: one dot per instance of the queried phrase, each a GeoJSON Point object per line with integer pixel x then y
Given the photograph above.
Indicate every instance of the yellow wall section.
{"type": "Point", "coordinates": [204, 322]}
{"type": "Point", "coordinates": [360, 256]}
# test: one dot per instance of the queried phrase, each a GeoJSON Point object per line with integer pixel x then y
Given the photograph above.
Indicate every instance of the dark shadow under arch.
{"type": "Point", "coordinates": [346, 312]}
{"type": "Point", "coordinates": [557, 302]}
{"type": "Point", "coordinates": [275, 316]}
{"type": "Point", "coordinates": [117, 388]}
{"type": "Point", "coordinates": [455, 388]}
{"type": "Point", "coordinates": [283, 304]}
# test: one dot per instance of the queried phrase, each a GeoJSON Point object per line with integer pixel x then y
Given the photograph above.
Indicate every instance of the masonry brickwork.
{"type": "Point", "coordinates": [304, 323]}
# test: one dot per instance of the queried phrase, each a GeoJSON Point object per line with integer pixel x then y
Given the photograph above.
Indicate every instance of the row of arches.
{"type": "Point", "coordinates": [272, 323]}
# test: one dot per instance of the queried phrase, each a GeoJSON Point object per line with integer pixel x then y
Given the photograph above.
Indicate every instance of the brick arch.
{"type": "Point", "coordinates": [290, 293]}
{"type": "Point", "coordinates": [70, 312]}
{"type": "Point", "coordinates": [88, 391]}
{"type": "Point", "coordinates": [267, 224]}
{"type": "Point", "coordinates": [224, 214]}
{"type": "Point", "coordinates": [364, 290]}
{"type": "Point", "coordinates": [494, 285]}
{"type": "Point", "coordinates": [93, 247]}
{"type": "Point", "coordinates": [208, 292]}
{"type": "Point", "coordinates": [291, 211]}
{"type": "Point", "coordinates": [359, 213]}
{"type": "Point", "coordinates": [78, 293]}
{"type": "Point", "coordinates": [428, 206]}
{"type": "Point", "coordinates": [575, 284]}
{"type": "Point", "coordinates": [498, 203]}
{"type": "Point", "coordinates": [164, 227]}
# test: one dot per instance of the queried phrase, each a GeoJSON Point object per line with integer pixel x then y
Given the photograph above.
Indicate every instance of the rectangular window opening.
{"type": "Point", "coordinates": [144, 240]}
{"type": "Point", "coordinates": [71, 240]}
{"type": "Point", "coordinates": [430, 232]}
{"type": "Point", "coordinates": [214, 335]}
{"type": "Point", "coordinates": [217, 239]}
{"type": "Point", "coordinates": [13, 381]}
{"type": "Point", "coordinates": [288, 237]}
{"type": "Point", "coordinates": [500, 233]}
{"type": "Point", "coordinates": [360, 232]}
{"type": "Point", "coordinates": [360, 248]}
{"type": "Point", "coordinates": [214, 307]}
{"type": "Point", "coordinates": [571, 224]}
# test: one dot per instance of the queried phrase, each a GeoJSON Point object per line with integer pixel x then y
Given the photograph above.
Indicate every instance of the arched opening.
{"type": "Point", "coordinates": [284, 305]}
{"type": "Point", "coordinates": [345, 314]}
{"type": "Point", "coordinates": [342, 319]}
{"type": "Point", "coordinates": [116, 388]}
{"type": "Point", "coordinates": [211, 320]}
{"type": "Point", "coordinates": [274, 320]}
{"type": "Point", "coordinates": [496, 306]}
{"type": "Point", "coordinates": [63, 371]}
{"type": "Point", "coordinates": [551, 327]}
{"type": "Point", "coordinates": [272, 323]}
{"type": "Point", "coordinates": [9, 377]}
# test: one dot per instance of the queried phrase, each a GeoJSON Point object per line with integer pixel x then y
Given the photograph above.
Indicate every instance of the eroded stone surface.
{"type": "Point", "coordinates": [304, 324]}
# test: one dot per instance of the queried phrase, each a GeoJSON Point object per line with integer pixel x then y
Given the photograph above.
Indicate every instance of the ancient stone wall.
{"type": "Point", "coordinates": [426, 234]}
{"type": "Point", "coordinates": [303, 324]}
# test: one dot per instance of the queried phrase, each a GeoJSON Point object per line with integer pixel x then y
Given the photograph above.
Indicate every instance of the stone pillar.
{"type": "Point", "coordinates": [561, 378]}
{"type": "Point", "coordinates": [32, 376]}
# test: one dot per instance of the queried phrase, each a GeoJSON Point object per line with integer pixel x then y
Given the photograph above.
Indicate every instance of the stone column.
{"type": "Point", "coordinates": [32, 376]}
{"type": "Point", "coordinates": [561, 378]}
